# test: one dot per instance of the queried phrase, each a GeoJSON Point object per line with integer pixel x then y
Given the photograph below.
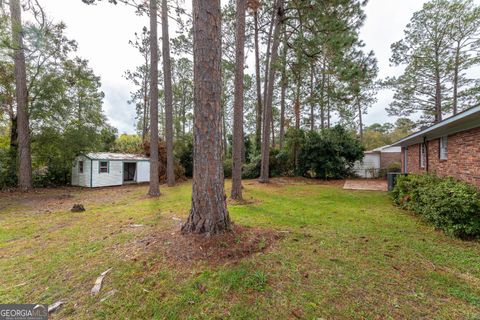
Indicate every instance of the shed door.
{"type": "Point", "coordinates": [129, 169]}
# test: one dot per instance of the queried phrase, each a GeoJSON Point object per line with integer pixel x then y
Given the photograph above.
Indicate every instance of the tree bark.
{"type": "Point", "coordinates": [237, 151]}
{"type": "Point", "coordinates": [154, 189]}
{"type": "Point", "coordinates": [23, 126]}
{"type": "Point", "coordinates": [360, 120]}
{"type": "Point", "coordinates": [283, 89]}
{"type": "Point", "coordinates": [455, 80]}
{"type": "Point", "coordinates": [322, 98]}
{"type": "Point", "coordinates": [167, 79]}
{"type": "Point", "coordinates": [224, 134]}
{"type": "Point", "coordinates": [267, 114]}
{"type": "Point", "coordinates": [258, 127]}
{"type": "Point", "coordinates": [272, 124]}
{"type": "Point", "coordinates": [208, 214]}
{"type": "Point", "coordinates": [328, 102]}
{"type": "Point", "coordinates": [297, 102]}
{"type": "Point", "coordinates": [145, 103]}
{"type": "Point", "coordinates": [438, 98]}
{"type": "Point", "coordinates": [438, 88]}
{"type": "Point", "coordinates": [267, 60]}
{"type": "Point", "coordinates": [312, 94]}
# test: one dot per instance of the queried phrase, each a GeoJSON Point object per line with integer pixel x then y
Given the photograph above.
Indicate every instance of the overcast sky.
{"type": "Point", "coordinates": [103, 32]}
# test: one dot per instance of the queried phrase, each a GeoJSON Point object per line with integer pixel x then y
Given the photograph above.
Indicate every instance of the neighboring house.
{"type": "Point", "coordinates": [376, 160]}
{"type": "Point", "coordinates": [102, 169]}
{"type": "Point", "coordinates": [448, 148]}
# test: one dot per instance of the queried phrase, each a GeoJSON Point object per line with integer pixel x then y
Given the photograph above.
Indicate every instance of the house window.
{"type": "Point", "coordinates": [422, 155]}
{"type": "Point", "coordinates": [103, 167]}
{"type": "Point", "coordinates": [444, 148]}
{"type": "Point", "coordinates": [80, 166]}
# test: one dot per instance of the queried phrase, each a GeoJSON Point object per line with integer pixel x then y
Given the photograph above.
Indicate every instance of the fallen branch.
{"type": "Point", "coordinates": [98, 283]}
{"type": "Point", "coordinates": [54, 307]}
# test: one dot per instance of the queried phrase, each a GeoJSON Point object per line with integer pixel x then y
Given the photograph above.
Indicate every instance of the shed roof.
{"type": "Point", "coordinates": [465, 120]}
{"type": "Point", "coordinates": [385, 149]}
{"type": "Point", "coordinates": [115, 156]}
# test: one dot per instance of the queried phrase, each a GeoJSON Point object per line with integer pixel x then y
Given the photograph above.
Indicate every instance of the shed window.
{"type": "Point", "coordinates": [444, 148]}
{"type": "Point", "coordinates": [80, 166]}
{"type": "Point", "coordinates": [422, 155]}
{"type": "Point", "coordinates": [103, 167]}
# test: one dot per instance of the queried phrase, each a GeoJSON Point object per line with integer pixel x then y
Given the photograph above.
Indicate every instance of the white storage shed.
{"type": "Point", "coordinates": [102, 169]}
{"type": "Point", "coordinates": [375, 160]}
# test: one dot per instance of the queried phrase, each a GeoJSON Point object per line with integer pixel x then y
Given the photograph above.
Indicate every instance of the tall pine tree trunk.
{"type": "Point", "coordinates": [312, 102]}
{"type": "Point", "coordinates": [154, 189]}
{"type": "Point", "coordinates": [360, 120]}
{"type": "Point", "coordinates": [224, 134]}
{"type": "Point", "coordinates": [283, 89]}
{"type": "Point", "coordinates": [267, 114]}
{"type": "Point", "coordinates": [272, 123]}
{"type": "Point", "coordinates": [23, 127]}
{"type": "Point", "coordinates": [258, 120]}
{"type": "Point", "coordinates": [438, 98]}
{"type": "Point", "coordinates": [267, 61]}
{"type": "Point", "coordinates": [208, 214]}
{"type": "Point", "coordinates": [297, 102]}
{"type": "Point", "coordinates": [322, 98]}
{"type": "Point", "coordinates": [438, 88]}
{"type": "Point", "coordinates": [238, 101]}
{"type": "Point", "coordinates": [145, 104]}
{"type": "Point", "coordinates": [167, 78]}
{"type": "Point", "coordinates": [455, 80]}
{"type": "Point", "coordinates": [328, 102]}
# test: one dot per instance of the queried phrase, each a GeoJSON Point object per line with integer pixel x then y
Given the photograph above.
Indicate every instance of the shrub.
{"type": "Point", "coordinates": [279, 165]}
{"type": "Point", "coordinates": [252, 170]}
{"type": "Point", "coordinates": [448, 204]}
{"type": "Point", "coordinates": [330, 153]}
{"type": "Point", "coordinates": [8, 175]}
{"type": "Point", "coordinates": [184, 154]}
{"type": "Point", "coordinates": [227, 168]}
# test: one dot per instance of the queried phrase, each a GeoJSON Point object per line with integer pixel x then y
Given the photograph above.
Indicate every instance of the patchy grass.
{"type": "Point", "coordinates": [342, 254]}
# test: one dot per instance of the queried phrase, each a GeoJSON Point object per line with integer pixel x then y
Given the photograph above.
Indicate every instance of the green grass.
{"type": "Point", "coordinates": [345, 255]}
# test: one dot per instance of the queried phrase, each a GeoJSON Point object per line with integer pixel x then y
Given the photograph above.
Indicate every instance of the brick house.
{"type": "Point", "coordinates": [448, 148]}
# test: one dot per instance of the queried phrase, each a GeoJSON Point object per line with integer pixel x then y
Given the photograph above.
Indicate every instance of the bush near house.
{"type": "Point", "coordinates": [448, 204]}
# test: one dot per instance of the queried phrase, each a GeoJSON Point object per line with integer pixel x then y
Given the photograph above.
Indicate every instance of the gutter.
{"type": "Point", "coordinates": [425, 142]}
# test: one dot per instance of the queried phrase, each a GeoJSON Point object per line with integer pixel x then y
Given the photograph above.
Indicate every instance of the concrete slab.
{"type": "Point", "coordinates": [366, 184]}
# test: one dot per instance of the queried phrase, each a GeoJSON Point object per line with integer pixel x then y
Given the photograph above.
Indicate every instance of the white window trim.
{"type": "Point", "coordinates": [100, 167]}
{"type": "Point", "coordinates": [444, 148]}
{"type": "Point", "coordinates": [82, 167]}
{"type": "Point", "coordinates": [422, 155]}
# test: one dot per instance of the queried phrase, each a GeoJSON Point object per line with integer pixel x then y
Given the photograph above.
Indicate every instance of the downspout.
{"type": "Point", "coordinates": [425, 143]}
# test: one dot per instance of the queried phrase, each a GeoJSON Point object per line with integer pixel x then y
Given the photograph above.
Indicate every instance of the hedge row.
{"type": "Point", "coordinates": [448, 204]}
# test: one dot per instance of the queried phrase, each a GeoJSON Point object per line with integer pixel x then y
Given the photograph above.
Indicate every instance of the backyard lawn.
{"type": "Point", "coordinates": [303, 250]}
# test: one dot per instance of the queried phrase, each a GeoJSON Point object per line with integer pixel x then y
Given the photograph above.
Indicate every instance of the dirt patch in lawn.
{"type": "Point", "coordinates": [228, 248]}
{"type": "Point", "coordinates": [45, 200]}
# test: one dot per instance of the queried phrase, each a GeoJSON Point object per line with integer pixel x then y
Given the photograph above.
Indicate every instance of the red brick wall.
{"type": "Point", "coordinates": [463, 160]}
{"type": "Point", "coordinates": [413, 159]}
